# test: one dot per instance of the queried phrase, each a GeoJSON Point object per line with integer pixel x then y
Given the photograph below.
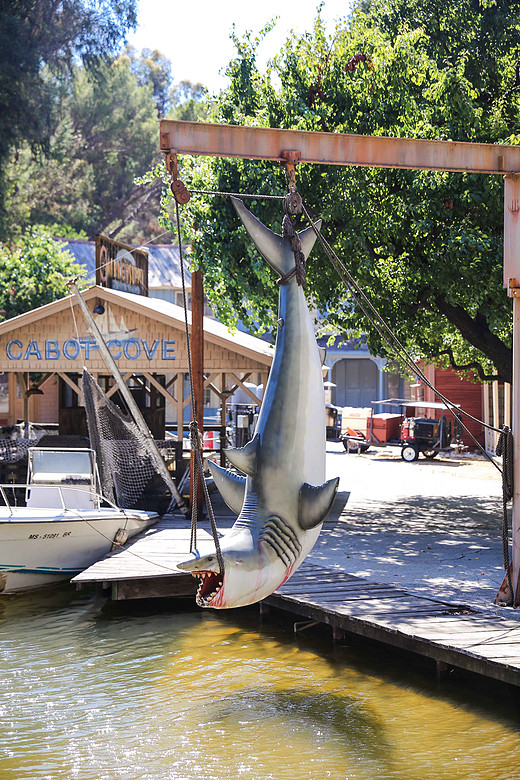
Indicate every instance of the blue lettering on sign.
{"type": "Point", "coordinates": [9, 349]}
{"type": "Point", "coordinates": [116, 343]}
{"type": "Point", "coordinates": [71, 349]}
{"type": "Point", "coordinates": [150, 351]}
{"type": "Point", "coordinates": [67, 347]}
{"type": "Point", "coordinates": [126, 348]}
{"type": "Point", "coordinates": [32, 350]}
{"type": "Point", "coordinates": [87, 345]}
{"type": "Point", "coordinates": [168, 348]}
{"type": "Point", "coordinates": [52, 350]}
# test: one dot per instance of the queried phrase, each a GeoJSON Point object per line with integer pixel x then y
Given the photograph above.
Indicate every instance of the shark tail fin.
{"type": "Point", "coordinates": [270, 245]}
{"type": "Point", "coordinates": [315, 503]}
{"type": "Point", "coordinates": [231, 486]}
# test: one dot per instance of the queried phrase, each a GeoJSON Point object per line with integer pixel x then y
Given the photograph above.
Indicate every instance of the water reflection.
{"type": "Point", "coordinates": [91, 692]}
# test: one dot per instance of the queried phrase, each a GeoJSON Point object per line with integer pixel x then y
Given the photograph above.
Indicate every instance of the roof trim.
{"type": "Point", "coordinates": [157, 309]}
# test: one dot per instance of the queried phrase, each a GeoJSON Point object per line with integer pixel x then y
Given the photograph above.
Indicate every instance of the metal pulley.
{"type": "Point", "coordinates": [180, 192]}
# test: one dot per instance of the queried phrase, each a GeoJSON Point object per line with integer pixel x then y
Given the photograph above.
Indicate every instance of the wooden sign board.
{"type": "Point", "coordinates": [121, 266]}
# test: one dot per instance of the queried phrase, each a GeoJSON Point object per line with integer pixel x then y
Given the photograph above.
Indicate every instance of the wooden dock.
{"type": "Point", "coordinates": [146, 567]}
{"type": "Point", "coordinates": [453, 635]}
{"type": "Point", "coordinates": [450, 634]}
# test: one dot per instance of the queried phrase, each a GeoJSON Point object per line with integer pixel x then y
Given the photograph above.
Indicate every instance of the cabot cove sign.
{"type": "Point", "coordinates": [87, 349]}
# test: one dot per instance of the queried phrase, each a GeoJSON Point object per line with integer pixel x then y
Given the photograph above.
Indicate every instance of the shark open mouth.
{"type": "Point", "coordinates": [210, 584]}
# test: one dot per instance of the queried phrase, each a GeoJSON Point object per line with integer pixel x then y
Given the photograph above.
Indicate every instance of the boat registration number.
{"type": "Point", "coordinates": [50, 536]}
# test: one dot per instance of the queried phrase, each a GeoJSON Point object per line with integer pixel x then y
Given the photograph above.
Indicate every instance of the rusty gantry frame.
{"type": "Point", "coordinates": [289, 146]}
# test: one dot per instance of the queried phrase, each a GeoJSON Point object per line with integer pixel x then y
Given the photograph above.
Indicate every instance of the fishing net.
{"type": "Point", "coordinates": [127, 472]}
{"type": "Point", "coordinates": [13, 450]}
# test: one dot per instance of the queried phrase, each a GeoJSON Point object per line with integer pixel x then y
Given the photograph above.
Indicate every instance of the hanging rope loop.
{"type": "Point", "coordinates": [504, 449]}
{"type": "Point", "coordinates": [195, 439]}
{"type": "Point", "coordinates": [292, 205]}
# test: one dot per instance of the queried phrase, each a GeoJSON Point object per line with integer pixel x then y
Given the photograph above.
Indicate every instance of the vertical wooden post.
{"type": "Point", "coordinates": [496, 412]}
{"type": "Point", "coordinates": [512, 282]}
{"type": "Point", "coordinates": [197, 363]}
{"type": "Point", "coordinates": [507, 404]}
{"type": "Point", "coordinates": [223, 418]}
{"type": "Point", "coordinates": [26, 404]}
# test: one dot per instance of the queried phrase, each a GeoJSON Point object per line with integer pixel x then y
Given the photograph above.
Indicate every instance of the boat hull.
{"type": "Point", "coordinates": [39, 547]}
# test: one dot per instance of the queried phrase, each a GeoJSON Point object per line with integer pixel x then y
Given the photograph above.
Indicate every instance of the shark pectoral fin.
{"type": "Point", "coordinates": [315, 503]}
{"type": "Point", "coordinates": [231, 487]}
{"type": "Point", "coordinates": [308, 238]}
{"type": "Point", "coordinates": [271, 246]}
{"type": "Point", "coordinates": [244, 458]}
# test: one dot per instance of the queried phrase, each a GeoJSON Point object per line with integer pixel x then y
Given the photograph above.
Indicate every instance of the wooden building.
{"type": "Point", "coordinates": [460, 390]}
{"type": "Point", "coordinates": [43, 352]}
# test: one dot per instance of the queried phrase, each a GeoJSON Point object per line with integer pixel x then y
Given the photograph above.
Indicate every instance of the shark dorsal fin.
{"type": "Point", "coordinates": [315, 503]}
{"type": "Point", "coordinates": [244, 459]}
{"type": "Point", "coordinates": [231, 486]}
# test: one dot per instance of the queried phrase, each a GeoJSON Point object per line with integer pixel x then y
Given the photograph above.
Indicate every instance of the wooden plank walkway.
{"type": "Point", "coordinates": [450, 634]}
{"type": "Point", "coordinates": [146, 567]}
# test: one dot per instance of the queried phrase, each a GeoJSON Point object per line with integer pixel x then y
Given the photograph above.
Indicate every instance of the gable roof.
{"type": "Point", "coordinates": [154, 309]}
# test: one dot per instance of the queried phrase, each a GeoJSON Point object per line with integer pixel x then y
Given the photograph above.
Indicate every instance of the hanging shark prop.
{"type": "Point", "coordinates": [283, 498]}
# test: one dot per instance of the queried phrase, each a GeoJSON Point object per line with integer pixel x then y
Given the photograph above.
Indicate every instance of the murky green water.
{"type": "Point", "coordinates": [90, 693]}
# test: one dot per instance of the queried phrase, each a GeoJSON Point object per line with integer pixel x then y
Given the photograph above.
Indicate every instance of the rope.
{"type": "Point", "coordinates": [505, 449]}
{"type": "Point", "coordinates": [194, 433]}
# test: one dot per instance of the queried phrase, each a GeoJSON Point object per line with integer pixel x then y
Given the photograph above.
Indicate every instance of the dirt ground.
{"type": "Point", "coordinates": [433, 526]}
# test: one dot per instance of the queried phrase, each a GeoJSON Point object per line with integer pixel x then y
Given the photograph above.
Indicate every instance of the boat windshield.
{"type": "Point", "coordinates": [63, 465]}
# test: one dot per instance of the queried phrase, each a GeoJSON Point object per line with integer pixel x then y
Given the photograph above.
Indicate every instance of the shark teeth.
{"type": "Point", "coordinates": [210, 584]}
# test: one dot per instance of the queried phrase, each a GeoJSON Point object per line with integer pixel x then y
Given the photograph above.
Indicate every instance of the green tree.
{"type": "Point", "coordinates": [189, 102]}
{"type": "Point", "coordinates": [152, 68]}
{"type": "Point", "coordinates": [106, 137]}
{"type": "Point", "coordinates": [33, 272]}
{"type": "Point", "coordinates": [39, 44]}
{"type": "Point", "coordinates": [425, 246]}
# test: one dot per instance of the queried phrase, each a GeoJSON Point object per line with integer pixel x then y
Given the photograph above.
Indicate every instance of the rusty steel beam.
{"type": "Point", "coordinates": [265, 143]}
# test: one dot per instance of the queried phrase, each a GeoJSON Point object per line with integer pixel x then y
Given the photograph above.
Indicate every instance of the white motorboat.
{"type": "Point", "coordinates": [58, 523]}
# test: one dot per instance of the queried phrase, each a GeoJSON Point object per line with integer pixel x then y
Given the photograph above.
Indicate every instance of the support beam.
{"type": "Point", "coordinates": [267, 143]}
{"type": "Point", "coordinates": [162, 390]}
{"type": "Point", "coordinates": [113, 390]}
{"type": "Point", "coordinates": [223, 419]}
{"type": "Point", "coordinates": [247, 391]}
{"type": "Point", "coordinates": [77, 389]}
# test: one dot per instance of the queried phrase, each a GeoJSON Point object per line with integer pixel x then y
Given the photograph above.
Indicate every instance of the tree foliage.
{"type": "Point", "coordinates": [40, 42]}
{"type": "Point", "coordinates": [425, 246]}
{"type": "Point", "coordinates": [33, 272]}
{"type": "Point", "coordinates": [105, 138]}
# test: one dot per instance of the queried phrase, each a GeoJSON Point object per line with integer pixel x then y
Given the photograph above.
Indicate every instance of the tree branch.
{"type": "Point", "coordinates": [473, 366]}
{"type": "Point", "coordinates": [478, 333]}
